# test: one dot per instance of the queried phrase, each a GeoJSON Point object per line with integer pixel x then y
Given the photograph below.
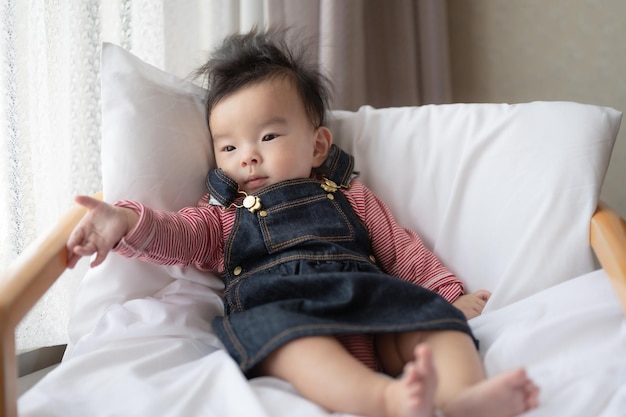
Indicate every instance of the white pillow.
{"type": "Point", "coordinates": [502, 193]}
{"type": "Point", "coordinates": [155, 149]}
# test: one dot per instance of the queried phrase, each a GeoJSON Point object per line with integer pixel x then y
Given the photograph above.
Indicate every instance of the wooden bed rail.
{"type": "Point", "coordinates": [21, 286]}
{"type": "Point", "coordinates": [35, 270]}
{"type": "Point", "coordinates": [607, 235]}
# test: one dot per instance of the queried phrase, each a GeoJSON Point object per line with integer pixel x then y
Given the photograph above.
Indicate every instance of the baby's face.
{"type": "Point", "coordinates": [262, 135]}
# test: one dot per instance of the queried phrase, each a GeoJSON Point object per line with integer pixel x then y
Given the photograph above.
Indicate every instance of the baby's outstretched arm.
{"type": "Point", "coordinates": [99, 230]}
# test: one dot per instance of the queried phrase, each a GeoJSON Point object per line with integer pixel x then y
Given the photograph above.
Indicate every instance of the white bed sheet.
{"type": "Point", "coordinates": [157, 357]}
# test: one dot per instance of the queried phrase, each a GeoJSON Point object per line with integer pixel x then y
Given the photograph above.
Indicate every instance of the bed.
{"type": "Point", "coordinates": [507, 195]}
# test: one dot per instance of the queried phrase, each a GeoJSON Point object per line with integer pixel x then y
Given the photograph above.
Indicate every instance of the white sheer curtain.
{"type": "Point", "coordinates": [380, 53]}
{"type": "Point", "coordinates": [50, 109]}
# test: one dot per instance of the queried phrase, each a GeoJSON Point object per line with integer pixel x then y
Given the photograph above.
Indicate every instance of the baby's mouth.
{"type": "Point", "coordinates": [254, 182]}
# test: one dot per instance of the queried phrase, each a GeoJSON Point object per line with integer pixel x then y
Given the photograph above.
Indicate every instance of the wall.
{"type": "Point", "coordinates": [527, 50]}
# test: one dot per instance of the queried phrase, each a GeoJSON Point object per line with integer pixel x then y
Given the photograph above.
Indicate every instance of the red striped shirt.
{"type": "Point", "coordinates": [196, 236]}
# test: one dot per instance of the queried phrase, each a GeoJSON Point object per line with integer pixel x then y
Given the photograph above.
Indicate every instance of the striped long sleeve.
{"type": "Point", "coordinates": [400, 251]}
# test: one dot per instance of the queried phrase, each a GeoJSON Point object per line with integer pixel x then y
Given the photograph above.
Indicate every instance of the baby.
{"type": "Point", "coordinates": [323, 288]}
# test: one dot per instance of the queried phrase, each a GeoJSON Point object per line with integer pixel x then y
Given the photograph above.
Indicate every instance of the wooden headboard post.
{"type": "Point", "coordinates": [21, 286]}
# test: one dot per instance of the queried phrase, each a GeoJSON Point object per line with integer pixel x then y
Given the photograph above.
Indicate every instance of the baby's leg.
{"type": "Point", "coordinates": [324, 372]}
{"type": "Point", "coordinates": [463, 389]}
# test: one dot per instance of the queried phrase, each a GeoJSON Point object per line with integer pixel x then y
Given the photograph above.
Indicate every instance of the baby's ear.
{"type": "Point", "coordinates": [323, 141]}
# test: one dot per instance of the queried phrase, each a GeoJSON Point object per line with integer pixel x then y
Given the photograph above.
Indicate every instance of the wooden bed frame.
{"type": "Point", "coordinates": [36, 269]}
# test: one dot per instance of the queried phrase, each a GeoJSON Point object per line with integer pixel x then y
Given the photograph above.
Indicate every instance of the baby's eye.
{"type": "Point", "coordinates": [269, 137]}
{"type": "Point", "coordinates": [228, 148]}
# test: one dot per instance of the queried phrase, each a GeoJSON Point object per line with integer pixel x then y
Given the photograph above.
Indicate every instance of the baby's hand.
{"type": "Point", "coordinates": [472, 304]}
{"type": "Point", "coordinates": [99, 230]}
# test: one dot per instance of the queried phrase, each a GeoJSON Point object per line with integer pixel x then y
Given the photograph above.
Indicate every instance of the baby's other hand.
{"type": "Point", "coordinates": [472, 304]}
{"type": "Point", "coordinates": [98, 231]}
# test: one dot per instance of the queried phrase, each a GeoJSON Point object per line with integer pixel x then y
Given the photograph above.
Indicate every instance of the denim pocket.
{"type": "Point", "coordinates": [289, 224]}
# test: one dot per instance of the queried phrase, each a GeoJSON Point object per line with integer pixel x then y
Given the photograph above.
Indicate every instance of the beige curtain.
{"type": "Point", "coordinates": [382, 53]}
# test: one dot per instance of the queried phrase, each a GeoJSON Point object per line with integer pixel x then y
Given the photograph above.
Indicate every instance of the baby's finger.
{"type": "Point", "coordinates": [87, 202]}
{"type": "Point", "coordinates": [483, 294]}
{"type": "Point", "coordinates": [100, 257]}
{"type": "Point", "coordinates": [72, 259]}
{"type": "Point", "coordinates": [75, 238]}
{"type": "Point", "coordinates": [86, 249]}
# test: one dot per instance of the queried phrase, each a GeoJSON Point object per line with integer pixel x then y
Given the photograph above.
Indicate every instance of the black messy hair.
{"type": "Point", "coordinates": [245, 59]}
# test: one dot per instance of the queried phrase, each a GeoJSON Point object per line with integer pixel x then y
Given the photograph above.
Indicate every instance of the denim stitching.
{"type": "Point", "coordinates": [225, 200]}
{"type": "Point", "coordinates": [304, 257]}
{"type": "Point", "coordinates": [228, 248]}
{"type": "Point", "coordinates": [303, 238]}
{"type": "Point", "coordinates": [237, 297]}
{"type": "Point", "coordinates": [234, 339]}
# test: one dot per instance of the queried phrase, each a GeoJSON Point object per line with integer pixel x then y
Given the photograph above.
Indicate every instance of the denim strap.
{"type": "Point", "coordinates": [221, 187]}
{"type": "Point", "coordinates": [338, 166]}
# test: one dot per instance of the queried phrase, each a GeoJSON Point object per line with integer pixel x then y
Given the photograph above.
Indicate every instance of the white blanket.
{"type": "Point", "coordinates": [157, 357]}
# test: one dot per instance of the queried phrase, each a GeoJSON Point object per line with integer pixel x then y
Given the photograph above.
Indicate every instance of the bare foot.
{"type": "Point", "coordinates": [413, 394]}
{"type": "Point", "coordinates": [505, 395]}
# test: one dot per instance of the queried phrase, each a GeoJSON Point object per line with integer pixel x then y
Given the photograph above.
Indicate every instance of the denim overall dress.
{"type": "Point", "coordinates": [298, 263]}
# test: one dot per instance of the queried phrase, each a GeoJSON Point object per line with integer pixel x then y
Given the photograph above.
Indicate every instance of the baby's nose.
{"type": "Point", "coordinates": [250, 160]}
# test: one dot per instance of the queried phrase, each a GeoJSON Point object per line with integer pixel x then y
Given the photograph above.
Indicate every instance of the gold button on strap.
{"type": "Point", "coordinates": [252, 203]}
{"type": "Point", "coordinates": [373, 258]}
{"type": "Point", "coordinates": [237, 270]}
{"type": "Point", "coordinates": [329, 186]}
{"type": "Point", "coordinates": [249, 201]}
